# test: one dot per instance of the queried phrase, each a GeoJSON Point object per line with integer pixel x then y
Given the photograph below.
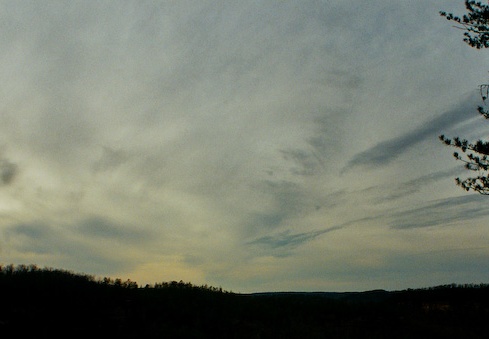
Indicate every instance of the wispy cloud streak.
{"type": "Point", "coordinates": [290, 240]}
{"type": "Point", "coordinates": [461, 209]}
{"type": "Point", "coordinates": [387, 151]}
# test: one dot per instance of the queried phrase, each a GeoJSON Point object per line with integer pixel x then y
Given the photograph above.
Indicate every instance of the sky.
{"type": "Point", "coordinates": [252, 145]}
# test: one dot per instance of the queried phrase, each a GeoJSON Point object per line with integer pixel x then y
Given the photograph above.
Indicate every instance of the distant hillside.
{"type": "Point", "coordinates": [46, 302]}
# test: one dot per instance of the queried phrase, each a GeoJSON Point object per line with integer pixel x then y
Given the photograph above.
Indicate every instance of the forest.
{"type": "Point", "coordinates": [47, 302]}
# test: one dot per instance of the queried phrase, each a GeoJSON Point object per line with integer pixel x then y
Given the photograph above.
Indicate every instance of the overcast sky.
{"type": "Point", "coordinates": [253, 145]}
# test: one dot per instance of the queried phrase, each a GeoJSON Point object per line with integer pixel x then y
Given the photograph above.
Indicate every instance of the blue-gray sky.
{"type": "Point", "coordinates": [253, 145]}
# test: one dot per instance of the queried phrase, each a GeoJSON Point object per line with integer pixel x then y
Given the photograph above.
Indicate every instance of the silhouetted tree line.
{"type": "Point", "coordinates": [51, 303]}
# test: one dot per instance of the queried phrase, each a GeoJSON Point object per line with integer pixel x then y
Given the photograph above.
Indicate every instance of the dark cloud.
{"type": "Point", "coordinates": [101, 228]}
{"type": "Point", "coordinates": [289, 240]}
{"type": "Point", "coordinates": [57, 246]}
{"type": "Point", "coordinates": [442, 212]}
{"type": "Point", "coordinates": [110, 159]}
{"type": "Point", "coordinates": [8, 171]}
{"type": "Point", "coordinates": [35, 237]}
{"type": "Point", "coordinates": [329, 130]}
{"type": "Point", "coordinates": [287, 200]}
{"type": "Point", "coordinates": [332, 200]}
{"type": "Point", "coordinates": [324, 142]}
{"type": "Point", "coordinates": [385, 152]}
{"type": "Point", "coordinates": [282, 243]}
{"type": "Point", "coordinates": [31, 231]}
{"type": "Point", "coordinates": [386, 193]}
{"type": "Point", "coordinates": [306, 162]}
{"type": "Point", "coordinates": [289, 196]}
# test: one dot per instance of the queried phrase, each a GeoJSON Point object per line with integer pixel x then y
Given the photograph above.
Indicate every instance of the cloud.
{"type": "Point", "coordinates": [8, 171]}
{"type": "Point", "coordinates": [104, 229]}
{"type": "Point", "coordinates": [283, 202]}
{"type": "Point", "coordinates": [441, 212]}
{"type": "Point", "coordinates": [283, 242]}
{"type": "Point", "coordinates": [34, 230]}
{"type": "Point", "coordinates": [389, 192]}
{"type": "Point", "coordinates": [110, 159]}
{"type": "Point", "coordinates": [37, 238]}
{"type": "Point", "coordinates": [289, 240]}
{"type": "Point", "coordinates": [387, 151]}
{"type": "Point", "coordinates": [62, 245]}
{"type": "Point", "coordinates": [308, 162]}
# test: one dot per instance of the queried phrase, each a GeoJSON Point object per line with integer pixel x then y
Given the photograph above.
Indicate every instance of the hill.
{"type": "Point", "coordinates": [57, 303]}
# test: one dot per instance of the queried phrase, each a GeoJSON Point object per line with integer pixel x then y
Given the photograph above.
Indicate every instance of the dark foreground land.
{"type": "Point", "coordinates": [50, 303]}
